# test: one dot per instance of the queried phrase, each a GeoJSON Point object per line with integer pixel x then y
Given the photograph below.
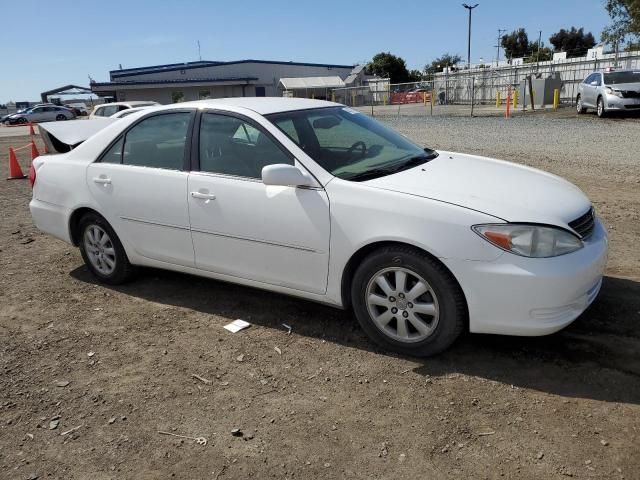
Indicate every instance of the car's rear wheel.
{"type": "Point", "coordinates": [407, 302]}
{"type": "Point", "coordinates": [579, 107]}
{"type": "Point", "coordinates": [61, 117]}
{"type": "Point", "coordinates": [102, 250]}
{"type": "Point", "coordinates": [602, 112]}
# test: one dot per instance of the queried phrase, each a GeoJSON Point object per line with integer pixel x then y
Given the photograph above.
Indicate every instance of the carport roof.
{"type": "Point", "coordinates": [301, 83]}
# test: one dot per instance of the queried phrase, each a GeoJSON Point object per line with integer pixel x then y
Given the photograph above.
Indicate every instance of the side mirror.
{"type": "Point", "coordinates": [284, 175]}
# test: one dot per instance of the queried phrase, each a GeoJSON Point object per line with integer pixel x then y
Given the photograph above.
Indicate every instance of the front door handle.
{"type": "Point", "coordinates": [203, 196]}
{"type": "Point", "coordinates": [102, 180]}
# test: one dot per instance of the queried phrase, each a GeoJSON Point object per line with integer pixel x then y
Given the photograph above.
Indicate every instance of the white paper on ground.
{"type": "Point", "coordinates": [237, 325]}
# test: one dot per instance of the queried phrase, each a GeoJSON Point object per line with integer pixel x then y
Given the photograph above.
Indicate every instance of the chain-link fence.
{"type": "Point", "coordinates": [485, 89]}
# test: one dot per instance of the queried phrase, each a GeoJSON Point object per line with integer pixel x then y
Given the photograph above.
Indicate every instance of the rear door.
{"type": "Point", "coordinates": [140, 186]}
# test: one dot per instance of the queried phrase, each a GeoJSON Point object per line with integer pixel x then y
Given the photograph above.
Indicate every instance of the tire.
{"type": "Point", "coordinates": [600, 110]}
{"type": "Point", "coordinates": [22, 121]}
{"type": "Point", "coordinates": [432, 320]}
{"type": "Point", "coordinates": [99, 256]}
{"type": "Point", "coordinates": [580, 109]}
{"type": "Point", "coordinates": [61, 117]}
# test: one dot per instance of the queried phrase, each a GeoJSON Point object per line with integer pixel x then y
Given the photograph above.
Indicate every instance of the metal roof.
{"type": "Point", "coordinates": [298, 83]}
{"type": "Point", "coordinates": [208, 64]}
{"type": "Point", "coordinates": [125, 83]}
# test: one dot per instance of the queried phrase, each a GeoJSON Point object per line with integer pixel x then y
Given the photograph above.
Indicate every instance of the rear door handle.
{"type": "Point", "coordinates": [102, 180]}
{"type": "Point", "coordinates": [203, 196]}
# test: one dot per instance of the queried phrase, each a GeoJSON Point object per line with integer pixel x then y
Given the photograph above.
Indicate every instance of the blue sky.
{"type": "Point", "coordinates": [91, 38]}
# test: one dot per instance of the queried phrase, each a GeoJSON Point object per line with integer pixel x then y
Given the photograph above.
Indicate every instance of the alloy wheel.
{"type": "Point", "coordinates": [100, 249]}
{"type": "Point", "coordinates": [402, 304]}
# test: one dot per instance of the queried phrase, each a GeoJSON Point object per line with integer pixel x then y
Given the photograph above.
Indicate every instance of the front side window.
{"type": "Point", "coordinates": [231, 146]}
{"type": "Point", "coordinates": [158, 141]}
{"type": "Point", "coordinates": [348, 144]}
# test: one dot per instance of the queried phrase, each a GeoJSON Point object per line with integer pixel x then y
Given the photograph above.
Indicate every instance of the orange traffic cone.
{"type": "Point", "coordinates": [15, 171]}
{"type": "Point", "coordinates": [31, 131]}
{"type": "Point", "coordinates": [34, 151]}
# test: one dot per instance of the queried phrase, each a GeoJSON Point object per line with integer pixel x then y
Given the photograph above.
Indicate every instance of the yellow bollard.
{"type": "Point", "coordinates": [498, 99]}
{"type": "Point", "coordinates": [333, 96]}
{"type": "Point", "coordinates": [556, 98]}
{"type": "Point", "coordinates": [313, 96]}
{"type": "Point", "coordinates": [353, 99]}
{"type": "Point", "coordinates": [515, 99]}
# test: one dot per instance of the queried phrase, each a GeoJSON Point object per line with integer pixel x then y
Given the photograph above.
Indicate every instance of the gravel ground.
{"type": "Point", "coordinates": [89, 375]}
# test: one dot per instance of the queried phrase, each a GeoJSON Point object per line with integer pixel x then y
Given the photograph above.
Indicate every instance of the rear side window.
{"type": "Point", "coordinates": [114, 154]}
{"type": "Point", "coordinates": [158, 141]}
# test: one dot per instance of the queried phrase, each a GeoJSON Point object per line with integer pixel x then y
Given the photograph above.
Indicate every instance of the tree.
{"type": "Point", "coordinates": [574, 42]}
{"type": "Point", "coordinates": [543, 55]}
{"type": "Point", "coordinates": [439, 64]}
{"type": "Point", "coordinates": [516, 44]}
{"type": "Point", "coordinates": [389, 66]}
{"type": "Point", "coordinates": [415, 75]}
{"type": "Point", "coordinates": [625, 17]}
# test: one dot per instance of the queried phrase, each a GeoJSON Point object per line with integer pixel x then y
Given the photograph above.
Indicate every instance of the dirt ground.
{"type": "Point", "coordinates": [90, 374]}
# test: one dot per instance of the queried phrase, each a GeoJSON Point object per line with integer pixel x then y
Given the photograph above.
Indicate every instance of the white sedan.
{"type": "Point", "coordinates": [316, 200]}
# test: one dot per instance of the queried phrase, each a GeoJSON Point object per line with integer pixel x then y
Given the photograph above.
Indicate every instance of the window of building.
{"type": "Point", "coordinates": [230, 146]}
{"type": "Point", "coordinates": [177, 97]}
{"type": "Point", "coordinates": [260, 92]}
{"type": "Point", "coordinates": [158, 141]}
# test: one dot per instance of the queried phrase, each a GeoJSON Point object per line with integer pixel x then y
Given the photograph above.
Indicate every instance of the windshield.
{"type": "Point", "coordinates": [621, 77]}
{"type": "Point", "coordinates": [348, 144]}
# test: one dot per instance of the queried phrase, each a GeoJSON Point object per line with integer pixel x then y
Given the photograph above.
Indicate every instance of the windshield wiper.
{"type": "Point", "coordinates": [381, 172]}
{"type": "Point", "coordinates": [369, 174]}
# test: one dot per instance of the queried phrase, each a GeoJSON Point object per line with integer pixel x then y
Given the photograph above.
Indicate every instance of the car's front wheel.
{"type": "Point", "coordinates": [102, 250]}
{"type": "Point", "coordinates": [601, 110]}
{"type": "Point", "coordinates": [579, 107]}
{"type": "Point", "coordinates": [408, 302]}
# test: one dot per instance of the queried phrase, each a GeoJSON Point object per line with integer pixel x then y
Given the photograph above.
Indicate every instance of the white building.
{"type": "Point", "coordinates": [179, 82]}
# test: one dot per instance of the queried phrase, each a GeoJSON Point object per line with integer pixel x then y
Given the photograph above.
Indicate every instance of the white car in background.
{"type": "Point", "coordinates": [108, 109]}
{"type": "Point", "coordinates": [129, 111]}
{"type": "Point", "coordinates": [313, 199]}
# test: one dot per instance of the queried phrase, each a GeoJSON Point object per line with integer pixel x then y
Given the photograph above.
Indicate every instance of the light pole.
{"type": "Point", "coordinates": [469, 7]}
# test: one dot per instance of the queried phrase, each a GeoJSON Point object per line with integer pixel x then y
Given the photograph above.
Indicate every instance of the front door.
{"type": "Point", "coordinates": [243, 228]}
{"type": "Point", "coordinates": [140, 186]}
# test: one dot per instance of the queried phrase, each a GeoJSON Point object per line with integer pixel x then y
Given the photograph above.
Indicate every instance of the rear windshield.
{"type": "Point", "coordinates": [621, 77]}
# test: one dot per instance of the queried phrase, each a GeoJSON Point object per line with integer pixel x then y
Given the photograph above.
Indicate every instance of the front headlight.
{"type": "Point", "coordinates": [616, 93]}
{"type": "Point", "coordinates": [529, 240]}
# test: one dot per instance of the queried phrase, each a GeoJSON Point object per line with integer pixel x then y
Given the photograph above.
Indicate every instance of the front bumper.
{"type": "Point", "coordinates": [516, 295]}
{"type": "Point", "coordinates": [615, 103]}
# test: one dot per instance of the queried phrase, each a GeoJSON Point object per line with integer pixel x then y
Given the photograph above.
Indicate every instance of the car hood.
{"type": "Point", "coordinates": [505, 190]}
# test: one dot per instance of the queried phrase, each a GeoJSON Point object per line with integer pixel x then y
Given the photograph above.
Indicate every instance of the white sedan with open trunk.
{"type": "Point", "coordinates": [314, 199]}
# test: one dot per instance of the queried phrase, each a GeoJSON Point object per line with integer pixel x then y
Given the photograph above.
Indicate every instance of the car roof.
{"type": "Point", "coordinates": [261, 105]}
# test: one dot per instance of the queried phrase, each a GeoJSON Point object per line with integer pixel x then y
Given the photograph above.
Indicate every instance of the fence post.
{"type": "Point", "coordinates": [473, 93]}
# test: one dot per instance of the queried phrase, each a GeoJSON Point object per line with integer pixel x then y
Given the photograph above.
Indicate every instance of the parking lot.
{"type": "Point", "coordinates": [91, 374]}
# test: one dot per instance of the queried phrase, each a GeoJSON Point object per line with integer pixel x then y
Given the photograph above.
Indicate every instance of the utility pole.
{"type": "Point", "coordinates": [500, 32]}
{"type": "Point", "coordinates": [199, 56]}
{"type": "Point", "coordinates": [470, 8]}
{"type": "Point", "coordinates": [538, 54]}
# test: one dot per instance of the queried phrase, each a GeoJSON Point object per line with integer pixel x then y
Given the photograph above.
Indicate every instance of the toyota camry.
{"type": "Point", "coordinates": [313, 199]}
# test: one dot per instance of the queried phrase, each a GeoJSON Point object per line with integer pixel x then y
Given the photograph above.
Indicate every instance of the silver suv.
{"type": "Point", "coordinates": [609, 91]}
